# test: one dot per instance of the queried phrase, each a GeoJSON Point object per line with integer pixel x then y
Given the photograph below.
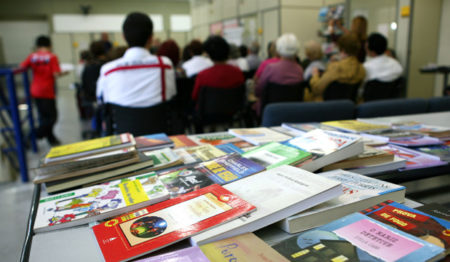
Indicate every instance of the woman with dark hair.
{"type": "Point", "coordinates": [170, 49]}
{"type": "Point", "coordinates": [198, 62]}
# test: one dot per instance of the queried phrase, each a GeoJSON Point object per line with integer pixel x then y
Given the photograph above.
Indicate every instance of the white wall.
{"type": "Point", "coordinates": [443, 56]}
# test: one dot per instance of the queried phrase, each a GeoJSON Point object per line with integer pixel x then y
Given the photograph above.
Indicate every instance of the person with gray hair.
{"type": "Point", "coordinates": [313, 51]}
{"type": "Point", "coordinates": [284, 72]}
{"type": "Point", "coordinates": [253, 58]}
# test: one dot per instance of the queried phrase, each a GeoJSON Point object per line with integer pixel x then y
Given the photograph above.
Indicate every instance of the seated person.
{"type": "Point", "coordinates": [273, 58]}
{"type": "Point", "coordinates": [197, 62]}
{"type": "Point", "coordinates": [380, 66]}
{"type": "Point", "coordinates": [138, 79]}
{"type": "Point", "coordinates": [313, 52]}
{"type": "Point", "coordinates": [253, 58]}
{"type": "Point", "coordinates": [220, 75]}
{"type": "Point", "coordinates": [236, 59]}
{"type": "Point", "coordinates": [284, 72]}
{"type": "Point", "coordinates": [347, 69]}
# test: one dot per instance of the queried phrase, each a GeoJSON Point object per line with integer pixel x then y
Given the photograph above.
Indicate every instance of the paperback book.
{"type": "Point", "coordinates": [355, 126]}
{"type": "Point", "coordinates": [258, 135]}
{"type": "Point", "coordinates": [153, 142]}
{"type": "Point", "coordinates": [219, 138]}
{"type": "Point", "coordinates": [277, 193]}
{"type": "Point", "coordinates": [98, 202]}
{"type": "Point", "coordinates": [149, 229]}
{"type": "Point", "coordinates": [301, 128]}
{"type": "Point", "coordinates": [434, 131]}
{"type": "Point", "coordinates": [275, 154]}
{"type": "Point", "coordinates": [357, 237]}
{"type": "Point", "coordinates": [436, 210]}
{"type": "Point", "coordinates": [415, 142]}
{"type": "Point", "coordinates": [199, 153]}
{"type": "Point", "coordinates": [359, 192]}
{"type": "Point", "coordinates": [189, 254]}
{"type": "Point", "coordinates": [230, 148]}
{"type": "Point", "coordinates": [326, 147]}
{"type": "Point", "coordinates": [368, 170]}
{"type": "Point", "coordinates": [441, 151]}
{"type": "Point", "coordinates": [181, 141]}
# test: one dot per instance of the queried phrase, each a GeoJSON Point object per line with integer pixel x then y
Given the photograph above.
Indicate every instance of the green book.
{"type": "Point", "coordinates": [275, 154]}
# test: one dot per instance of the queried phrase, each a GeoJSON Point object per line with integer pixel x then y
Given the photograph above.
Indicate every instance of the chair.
{"type": "Point", "coordinates": [337, 90]}
{"type": "Point", "coordinates": [219, 105]}
{"type": "Point", "coordinates": [438, 104]}
{"type": "Point", "coordinates": [302, 112]}
{"type": "Point", "coordinates": [377, 90]}
{"type": "Point", "coordinates": [141, 121]}
{"type": "Point", "coordinates": [274, 93]}
{"type": "Point", "coordinates": [183, 100]}
{"type": "Point", "coordinates": [392, 107]}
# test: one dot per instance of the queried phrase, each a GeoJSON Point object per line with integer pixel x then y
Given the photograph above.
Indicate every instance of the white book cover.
{"type": "Point", "coordinates": [259, 135]}
{"type": "Point", "coordinates": [277, 193]}
{"type": "Point", "coordinates": [360, 192]}
{"type": "Point", "coordinates": [369, 170]}
{"type": "Point", "coordinates": [99, 202]}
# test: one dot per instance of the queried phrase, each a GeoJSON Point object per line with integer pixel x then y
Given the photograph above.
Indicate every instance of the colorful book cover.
{"type": "Point", "coordinates": [91, 145]}
{"type": "Point", "coordinates": [229, 168]}
{"type": "Point", "coordinates": [245, 247]}
{"type": "Point", "coordinates": [422, 128]}
{"type": "Point", "coordinates": [94, 203]}
{"type": "Point", "coordinates": [219, 138]}
{"type": "Point", "coordinates": [357, 237]}
{"type": "Point", "coordinates": [441, 151]}
{"type": "Point", "coordinates": [393, 134]}
{"type": "Point", "coordinates": [189, 254]}
{"type": "Point", "coordinates": [154, 227]}
{"type": "Point", "coordinates": [204, 152]}
{"type": "Point", "coordinates": [184, 179]}
{"type": "Point", "coordinates": [230, 148]}
{"type": "Point", "coordinates": [180, 141]}
{"type": "Point", "coordinates": [153, 141]}
{"type": "Point", "coordinates": [354, 126]}
{"type": "Point", "coordinates": [259, 135]}
{"type": "Point", "coordinates": [422, 225]}
{"type": "Point", "coordinates": [414, 142]}
{"type": "Point", "coordinates": [414, 159]}
{"type": "Point", "coordinates": [275, 154]}
{"type": "Point", "coordinates": [436, 210]}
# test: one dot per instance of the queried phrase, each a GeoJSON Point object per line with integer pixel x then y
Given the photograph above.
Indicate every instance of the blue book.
{"type": "Point", "coordinates": [230, 148]}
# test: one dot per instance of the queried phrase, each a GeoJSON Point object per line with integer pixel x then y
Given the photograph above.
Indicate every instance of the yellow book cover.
{"type": "Point", "coordinates": [246, 248]}
{"type": "Point", "coordinates": [89, 145]}
{"type": "Point", "coordinates": [354, 126]}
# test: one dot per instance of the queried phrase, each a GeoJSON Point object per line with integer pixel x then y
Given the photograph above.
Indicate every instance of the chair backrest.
{"type": "Point", "coordinates": [377, 90]}
{"type": "Point", "coordinates": [184, 91]}
{"type": "Point", "coordinates": [337, 90]}
{"type": "Point", "coordinates": [216, 102]}
{"type": "Point", "coordinates": [438, 104]}
{"type": "Point", "coordinates": [392, 107]}
{"type": "Point", "coordinates": [140, 120]}
{"type": "Point", "coordinates": [302, 112]}
{"type": "Point", "coordinates": [274, 93]}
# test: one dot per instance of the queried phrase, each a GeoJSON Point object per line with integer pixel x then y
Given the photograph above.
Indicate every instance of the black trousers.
{"type": "Point", "coordinates": [47, 117]}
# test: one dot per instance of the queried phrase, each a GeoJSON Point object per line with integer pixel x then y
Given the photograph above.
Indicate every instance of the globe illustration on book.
{"type": "Point", "coordinates": [147, 227]}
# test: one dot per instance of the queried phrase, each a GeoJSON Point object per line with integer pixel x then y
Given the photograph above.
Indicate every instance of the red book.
{"type": "Point", "coordinates": [154, 227]}
{"type": "Point", "coordinates": [182, 141]}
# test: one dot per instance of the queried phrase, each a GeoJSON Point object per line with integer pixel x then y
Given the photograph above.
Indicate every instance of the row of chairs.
{"type": "Point", "coordinates": [301, 112]}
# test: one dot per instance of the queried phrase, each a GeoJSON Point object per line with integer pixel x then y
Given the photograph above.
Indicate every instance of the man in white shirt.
{"type": "Point", "coordinates": [380, 66]}
{"type": "Point", "coordinates": [198, 62]}
{"type": "Point", "coordinates": [138, 79]}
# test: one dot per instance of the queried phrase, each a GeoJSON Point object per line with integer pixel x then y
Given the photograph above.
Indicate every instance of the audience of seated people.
{"type": "Point", "coordinates": [198, 62]}
{"type": "Point", "coordinates": [314, 54]}
{"type": "Point", "coordinates": [347, 69]}
{"type": "Point", "coordinates": [284, 72]}
{"type": "Point", "coordinates": [380, 66]}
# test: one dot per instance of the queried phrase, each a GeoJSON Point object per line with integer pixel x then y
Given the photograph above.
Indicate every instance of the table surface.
{"type": "Point", "coordinates": [79, 243]}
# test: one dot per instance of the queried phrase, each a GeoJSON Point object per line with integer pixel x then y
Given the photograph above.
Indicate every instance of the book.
{"type": "Point", "coordinates": [370, 156]}
{"type": "Point", "coordinates": [431, 130]}
{"type": "Point", "coordinates": [355, 126]}
{"type": "Point", "coordinates": [414, 159]}
{"type": "Point", "coordinates": [326, 147]}
{"type": "Point", "coordinates": [275, 154]}
{"type": "Point", "coordinates": [258, 135]}
{"type": "Point", "coordinates": [229, 168]}
{"type": "Point", "coordinates": [105, 161]}
{"type": "Point", "coordinates": [219, 138]}
{"type": "Point", "coordinates": [415, 142]}
{"type": "Point", "coordinates": [181, 141]}
{"type": "Point", "coordinates": [89, 147]}
{"type": "Point", "coordinates": [285, 131]}
{"type": "Point", "coordinates": [357, 237]}
{"type": "Point", "coordinates": [230, 148]}
{"type": "Point", "coordinates": [245, 247]}
{"type": "Point", "coordinates": [359, 192]}
{"type": "Point", "coordinates": [98, 202]}
{"type": "Point", "coordinates": [388, 134]}
{"type": "Point", "coordinates": [441, 151]}
{"type": "Point", "coordinates": [277, 193]}
{"type": "Point", "coordinates": [149, 229]}
{"type": "Point", "coordinates": [436, 210]}
{"type": "Point", "coordinates": [153, 142]}
{"type": "Point", "coordinates": [301, 128]}
{"type": "Point", "coordinates": [417, 223]}
{"type": "Point", "coordinates": [188, 254]}
{"type": "Point", "coordinates": [368, 170]}
{"type": "Point", "coordinates": [203, 152]}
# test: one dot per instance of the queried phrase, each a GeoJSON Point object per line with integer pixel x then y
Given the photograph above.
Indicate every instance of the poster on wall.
{"type": "Point", "coordinates": [232, 31]}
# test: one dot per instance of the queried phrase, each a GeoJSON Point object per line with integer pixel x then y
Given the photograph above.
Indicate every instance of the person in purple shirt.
{"type": "Point", "coordinates": [284, 72]}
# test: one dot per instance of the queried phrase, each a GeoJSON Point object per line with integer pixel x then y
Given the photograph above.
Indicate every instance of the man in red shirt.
{"type": "Point", "coordinates": [45, 67]}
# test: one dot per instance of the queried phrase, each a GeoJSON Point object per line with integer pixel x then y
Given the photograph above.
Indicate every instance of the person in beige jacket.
{"type": "Point", "coordinates": [346, 70]}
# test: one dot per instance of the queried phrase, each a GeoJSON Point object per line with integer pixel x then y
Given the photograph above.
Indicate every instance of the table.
{"type": "Point", "coordinates": [445, 70]}
{"type": "Point", "coordinates": [79, 244]}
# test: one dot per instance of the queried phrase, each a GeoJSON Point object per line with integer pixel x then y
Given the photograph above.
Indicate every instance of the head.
{"type": "Point", "coordinates": [97, 48]}
{"type": "Point", "coordinates": [138, 30]}
{"type": "Point", "coordinates": [85, 56]}
{"type": "Point", "coordinates": [349, 44]}
{"type": "Point", "coordinates": [43, 41]}
{"type": "Point", "coordinates": [196, 47]}
{"type": "Point", "coordinates": [287, 46]}
{"type": "Point", "coordinates": [217, 48]}
{"type": "Point", "coordinates": [170, 49]}
{"type": "Point", "coordinates": [254, 48]}
{"type": "Point", "coordinates": [359, 27]}
{"type": "Point", "coordinates": [313, 50]}
{"type": "Point", "coordinates": [376, 44]}
{"type": "Point", "coordinates": [272, 49]}
{"type": "Point", "coordinates": [187, 53]}
{"type": "Point", "coordinates": [243, 50]}
{"type": "Point", "coordinates": [234, 51]}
